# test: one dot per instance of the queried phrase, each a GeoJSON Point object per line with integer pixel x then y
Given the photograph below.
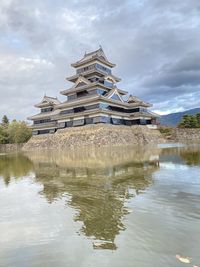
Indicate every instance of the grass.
{"type": "Point", "coordinates": [166, 131]}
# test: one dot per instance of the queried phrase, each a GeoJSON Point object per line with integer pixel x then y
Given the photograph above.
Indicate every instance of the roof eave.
{"type": "Point", "coordinates": [122, 92]}
{"type": "Point", "coordinates": [71, 102]}
{"type": "Point", "coordinates": [73, 78]}
{"type": "Point", "coordinates": [95, 84]}
{"type": "Point", "coordinates": [79, 64]}
{"type": "Point", "coordinates": [43, 105]}
{"type": "Point", "coordinates": [72, 89]}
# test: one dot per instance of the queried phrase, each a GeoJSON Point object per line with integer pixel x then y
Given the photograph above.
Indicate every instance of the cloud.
{"type": "Point", "coordinates": [154, 43]}
{"type": "Point", "coordinates": [178, 81]}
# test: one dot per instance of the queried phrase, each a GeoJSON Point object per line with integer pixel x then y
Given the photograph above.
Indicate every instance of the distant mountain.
{"type": "Point", "coordinates": [173, 119]}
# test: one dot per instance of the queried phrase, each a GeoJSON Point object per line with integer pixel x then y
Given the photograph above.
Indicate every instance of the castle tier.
{"type": "Point", "coordinates": [93, 98]}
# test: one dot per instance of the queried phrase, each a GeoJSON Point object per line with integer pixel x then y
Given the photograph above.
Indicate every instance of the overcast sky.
{"type": "Point", "coordinates": [155, 44]}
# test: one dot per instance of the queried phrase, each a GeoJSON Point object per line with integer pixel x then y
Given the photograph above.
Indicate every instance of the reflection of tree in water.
{"type": "Point", "coordinates": [98, 195]}
{"type": "Point", "coordinates": [15, 166]}
{"type": "Point", "coordinates": [190, 155]}
{"type": "Point", "coordinates": [191, 158]}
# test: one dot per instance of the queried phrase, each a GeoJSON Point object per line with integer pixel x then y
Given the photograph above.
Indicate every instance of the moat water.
{"type": "Point", "coordinates": [101, 207]}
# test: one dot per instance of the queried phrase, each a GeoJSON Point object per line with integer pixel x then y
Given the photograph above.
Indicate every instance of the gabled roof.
{"type": "Point", "coordinates": [112, 92]}
{"type": "Point", "coordinates": [112, 78]}
{"type": "Point", "coordinates": [97, 54]}
{"type": "Point", "coordinates": [135, 99]}
{"type": "Point", "coordinates": [48, 101]}
{"type": "Point", "coordinates": [80, 83]}
{"type": "Point", "coordinates": [43, 115]}
{"type": "Point", "coordinates": [81, 80]}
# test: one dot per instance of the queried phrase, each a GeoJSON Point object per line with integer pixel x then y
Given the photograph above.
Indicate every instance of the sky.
{"type": "Point", "coordinates": [154, 43]}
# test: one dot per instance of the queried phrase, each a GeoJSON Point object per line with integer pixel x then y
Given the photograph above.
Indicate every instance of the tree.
{"type": "Point", "coordinates": [193, 122]}
{"type": "Point", "coordinates": [198, 119]}
{"type": "Point", "coordinates": [5, 120]}
{"type": "Point", "coordinates": [19, 132]}
{"type": "Point", "coordinates": [14, 132]}
{"type": "Point", "coordinates": [185, 122]}
{"type": "Point", "coordinates": [4, 138]}
{"type": "Point", "coordinates": [190, 121]}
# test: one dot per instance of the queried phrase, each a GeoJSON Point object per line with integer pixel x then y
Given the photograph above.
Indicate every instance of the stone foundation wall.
{"type": "Point", "coordinates": [95, 135]}
{"type": "Point", "coordinates": [186, 135]}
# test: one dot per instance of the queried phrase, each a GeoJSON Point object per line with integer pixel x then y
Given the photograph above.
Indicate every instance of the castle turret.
{"type": "Point", "coordinates": [43, 121]}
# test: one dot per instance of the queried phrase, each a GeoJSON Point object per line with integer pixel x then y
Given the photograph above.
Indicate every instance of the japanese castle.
{"type": "Point", "coordinates": [93, 98]}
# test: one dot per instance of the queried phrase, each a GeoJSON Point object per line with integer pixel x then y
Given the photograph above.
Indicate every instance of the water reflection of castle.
{"type": "Point", "coordinates": [99, 183]}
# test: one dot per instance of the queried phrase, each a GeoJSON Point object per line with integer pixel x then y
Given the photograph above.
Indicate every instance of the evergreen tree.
{"type": "Point", "coordinates": [198, 119]}
{"type": "Point", "coordinates": [190, 121]}
{"type": "Point", "coordinates": [5, 120]}
{"type": "Point", "coordinates": [193, 122]}
{"type": "Point", "coordinates": [185, 122]}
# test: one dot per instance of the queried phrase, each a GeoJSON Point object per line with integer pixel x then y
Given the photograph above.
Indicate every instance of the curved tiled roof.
{"type": "Point", "coordinates": [48, 100]}
{"type": "Point", "coordinates": [97, 54]}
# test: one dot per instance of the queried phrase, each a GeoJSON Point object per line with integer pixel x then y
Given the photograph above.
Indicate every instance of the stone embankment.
{"type": "Point", "coordinates": [95, 135]}
{"type": "Point", "coordinates": [186, 135]}
{"type": "Point", "coordinates": [10, 148]}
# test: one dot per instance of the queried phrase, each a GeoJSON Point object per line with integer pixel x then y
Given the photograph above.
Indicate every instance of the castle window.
{"type": "Point", "coordinates": [72, 97]}
{"type": "Point", "coordinates": [79, 109]}
{"type": "Point", "coordinates": [108, 84]}
{"type": "Point", "coordinates": [132, 110]}
{"type": "Point", "coordinates": [46, 109]}
{"type": "Point", "coordinates": [143, 110]}
{"type": "Point", "coordinates": [101, 92]}
{"type": "Point", "coordinates": [117, 121]}
{"type": "Point", "coordinates": [42, 121]}
{"type": "Point", "coordinates": [92, 107]}
{"type": "Point", "coordinates": [86, 68]}
{"type": "Point", "coordinates": [105, 119]}
{"type": "Point", "coordinates": [68, 111]}
{"type": "Point", "coordinates": [90, 67]}
{"type": "Point", "coordinates": [104, 106]}
{"type": "Point", "coordinates": [88, 121]}
{"type": "Point", "coordinates": [143, 122]}
{"type": "Point", "coordinates": [78, 122]}
{"type": "Point", "coordinates": [43, 131]}
{"type": "Point", "coordinates": [100, 67]}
